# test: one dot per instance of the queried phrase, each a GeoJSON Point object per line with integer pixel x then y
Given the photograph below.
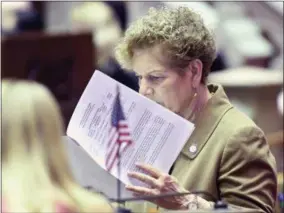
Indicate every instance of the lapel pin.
{"type": "Point", "coordinates": [193, 148]}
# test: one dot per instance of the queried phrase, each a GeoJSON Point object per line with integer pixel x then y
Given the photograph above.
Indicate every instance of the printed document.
{"type": "Point", "coordinates": [158, 134]}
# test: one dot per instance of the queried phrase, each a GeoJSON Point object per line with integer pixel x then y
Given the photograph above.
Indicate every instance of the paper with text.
{"type": "Point", "coordinates": [158, 134]}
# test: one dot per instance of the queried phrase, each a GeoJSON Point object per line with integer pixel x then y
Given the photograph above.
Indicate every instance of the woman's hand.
{"type": "Point", "coordinates": [159, 183]}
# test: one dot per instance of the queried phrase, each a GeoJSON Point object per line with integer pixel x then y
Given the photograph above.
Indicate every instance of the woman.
{"type": "Point", "coordinates": [35, 173]}
{"type": "Point", "coordinates": [171, 51]}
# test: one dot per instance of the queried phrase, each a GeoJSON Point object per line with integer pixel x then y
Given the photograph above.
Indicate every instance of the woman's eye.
{"type": "Point", "coordinates": [155, 78]}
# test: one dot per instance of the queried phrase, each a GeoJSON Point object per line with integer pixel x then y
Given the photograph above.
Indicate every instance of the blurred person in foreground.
{"type": "Point", "coordinates": [171, 52]}
{"type": "Point", "coordinates": [35, 174]}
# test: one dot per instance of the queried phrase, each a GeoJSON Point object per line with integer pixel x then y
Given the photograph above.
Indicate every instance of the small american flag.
{"type": "Point", "coordinates": [119, 135]}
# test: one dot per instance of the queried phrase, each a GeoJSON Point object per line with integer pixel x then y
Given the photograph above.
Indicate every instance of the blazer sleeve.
{"type": "Point", "coordinates": [248, 171]}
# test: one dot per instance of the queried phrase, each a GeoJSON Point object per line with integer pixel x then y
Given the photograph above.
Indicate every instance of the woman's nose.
{"type": "Point", "coordinates": [144, 88]}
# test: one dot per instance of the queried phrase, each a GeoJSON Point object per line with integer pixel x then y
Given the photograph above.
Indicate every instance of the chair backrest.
{"type": "Point", "coordinates": [50, 59]}
{"type": "Point", "coordinates": [62, 62]}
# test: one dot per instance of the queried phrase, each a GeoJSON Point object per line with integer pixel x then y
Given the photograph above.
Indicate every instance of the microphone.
{"type": "Point", "coordinates": [218, 204]}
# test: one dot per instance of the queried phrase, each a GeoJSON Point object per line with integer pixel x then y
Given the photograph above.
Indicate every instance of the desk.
{"type": "Point", "coordinates": [254, 91]}
{"type": "Point", "coordinates": [213, 211]}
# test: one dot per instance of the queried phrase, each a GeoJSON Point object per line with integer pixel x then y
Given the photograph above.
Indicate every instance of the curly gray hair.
{"type": "Point", "coordinates": [180, 32]}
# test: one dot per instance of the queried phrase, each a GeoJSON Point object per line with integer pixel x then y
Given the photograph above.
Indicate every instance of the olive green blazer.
{"type": "Point", "coordinates": [228, 156]}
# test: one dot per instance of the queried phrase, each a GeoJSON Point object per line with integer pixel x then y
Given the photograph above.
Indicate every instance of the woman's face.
{"type": "Point", "coordinates": [164, 86]}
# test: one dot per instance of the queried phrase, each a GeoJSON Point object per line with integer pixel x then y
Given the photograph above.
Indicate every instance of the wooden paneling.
{"type": "Point", "coordinates": [62, 62]}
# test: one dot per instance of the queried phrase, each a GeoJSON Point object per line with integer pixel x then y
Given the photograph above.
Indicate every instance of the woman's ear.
{"type": "Point", "coordinates": [195, 67]}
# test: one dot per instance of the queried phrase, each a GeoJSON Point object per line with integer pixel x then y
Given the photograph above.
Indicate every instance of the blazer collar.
{"type": "Point", "coordinates": [208, 120]}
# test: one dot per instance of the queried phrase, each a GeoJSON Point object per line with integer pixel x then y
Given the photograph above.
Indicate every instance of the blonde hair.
{"type": "Point", "coordinates": [180, 32]}
{"type": "Point", "coordinates": [35, 172]}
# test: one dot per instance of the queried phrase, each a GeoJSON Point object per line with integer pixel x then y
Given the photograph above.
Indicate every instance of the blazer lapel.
{"type": "Point", "coordinates": [209, 118]}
